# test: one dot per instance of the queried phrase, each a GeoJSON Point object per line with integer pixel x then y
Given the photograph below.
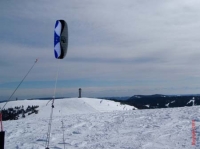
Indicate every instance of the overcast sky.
{"type": "Point", "coordinates": [116, 48]}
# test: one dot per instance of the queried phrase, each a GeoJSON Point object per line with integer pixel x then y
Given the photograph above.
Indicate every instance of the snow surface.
{"type": "Point", "coordinates": [101, 124]}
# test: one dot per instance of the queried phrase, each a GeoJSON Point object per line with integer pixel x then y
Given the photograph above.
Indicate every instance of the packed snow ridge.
{"type": "Point", "coordinates": [101, 124]}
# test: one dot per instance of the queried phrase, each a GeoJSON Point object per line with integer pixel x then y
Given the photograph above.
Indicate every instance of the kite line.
{"type": "Point", "coordinates": [20, 84]}
{"type": "Point", "coordinates": [60, 51]}
{"type": "Point", "coordinates": [51, 114]}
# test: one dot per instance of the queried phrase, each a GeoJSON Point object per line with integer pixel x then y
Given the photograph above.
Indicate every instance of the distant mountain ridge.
{"type": "Point", "coordinates": [162, 101]}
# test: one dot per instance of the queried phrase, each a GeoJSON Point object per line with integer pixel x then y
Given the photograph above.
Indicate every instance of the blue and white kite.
{"type": "Point", "coordinates": [60, 39]}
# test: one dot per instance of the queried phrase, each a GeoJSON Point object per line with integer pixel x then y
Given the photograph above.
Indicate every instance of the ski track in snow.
{"type": "Point", "coordinates": [96, 129]}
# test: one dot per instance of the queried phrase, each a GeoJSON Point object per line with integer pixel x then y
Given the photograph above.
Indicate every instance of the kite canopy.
{"type": "Point", "coordinates": [60, 39]}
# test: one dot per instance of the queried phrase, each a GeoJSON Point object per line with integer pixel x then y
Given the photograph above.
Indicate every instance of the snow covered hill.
{"type": "Point", "coordinates": [100, 124]}
{"type": "Point", "coordinates": [69, 106]}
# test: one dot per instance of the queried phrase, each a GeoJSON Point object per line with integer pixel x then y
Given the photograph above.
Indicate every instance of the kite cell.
{"type": "Point", "coordinates": [60, 39]}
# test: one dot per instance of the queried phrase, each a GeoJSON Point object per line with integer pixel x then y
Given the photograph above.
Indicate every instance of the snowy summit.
{"type": "Point", "coordinates": [87, 123]}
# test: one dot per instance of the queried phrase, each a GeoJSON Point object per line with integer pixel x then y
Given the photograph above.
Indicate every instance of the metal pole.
{"type": "Point", "coordinates": [63, 129]}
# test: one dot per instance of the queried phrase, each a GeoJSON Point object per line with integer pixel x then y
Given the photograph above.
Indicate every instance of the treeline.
{"type": "Point", "coordinates": [17, 112]}
{"type": "Point", "coordinates": [161, 101]}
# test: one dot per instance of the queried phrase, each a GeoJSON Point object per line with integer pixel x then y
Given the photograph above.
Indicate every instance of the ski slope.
{"type": "Point", "coordinates": [97, 124]}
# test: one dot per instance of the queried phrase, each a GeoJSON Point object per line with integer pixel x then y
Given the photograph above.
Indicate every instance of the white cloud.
{"type": "Point", "coordinates": [108, 40]}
